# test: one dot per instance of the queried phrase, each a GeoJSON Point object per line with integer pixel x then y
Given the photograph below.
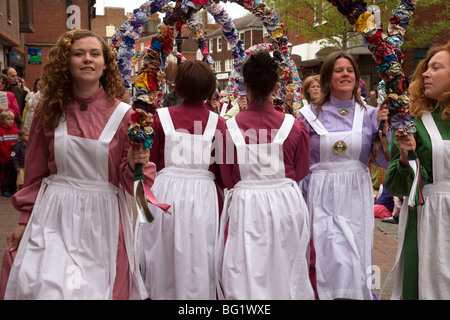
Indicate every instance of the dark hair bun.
{"type": "Point", "coordinates": [261, 75]}
{"type": "Point", "coordinates": [264, 62]}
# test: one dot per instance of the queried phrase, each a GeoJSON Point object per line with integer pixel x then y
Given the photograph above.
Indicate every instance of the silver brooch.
{"type": "Point", "coordinates": [344, 111]}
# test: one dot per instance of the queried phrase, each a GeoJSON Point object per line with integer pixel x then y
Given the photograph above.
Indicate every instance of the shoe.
{"type": "Point", "coordinates": [6, 194]}
{"type": "Point", "coordinates": [390, 220]}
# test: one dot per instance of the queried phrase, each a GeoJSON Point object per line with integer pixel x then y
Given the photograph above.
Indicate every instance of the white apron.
{"type": "Point", "coordinates": [340, 202]}
{"type": "Point", "coordinates": [433, 233]}
{"type": "Point", "coordinates": [266, 252]}
{"type": "Point", "coordinates": [176, 251]}
{"type": "Point", "coordinates": [432, 226]}
{"type": "Point", "coordinates": [69, 247]}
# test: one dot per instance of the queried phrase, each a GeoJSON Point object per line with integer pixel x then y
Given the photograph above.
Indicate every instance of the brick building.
{"type": "Point", "coordinates": [16, 19]}
{"type": "Point", "coordinates": [51, 19]}
{"type": "Point", "coordinates": [112, 19]}
{"type": "Point", "coordinates": [312, 53]}
{"type": "Point", "coordinates": [189, 47]}
{"type": "Point", "coordinates": [250, 30]}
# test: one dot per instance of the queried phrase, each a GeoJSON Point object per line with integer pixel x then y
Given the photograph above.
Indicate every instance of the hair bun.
{"type": "Point", "coordinates": [264, 61]}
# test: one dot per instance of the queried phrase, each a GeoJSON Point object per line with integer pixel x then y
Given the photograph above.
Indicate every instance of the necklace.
{"type": "Point", "coordinates": [83, 106]}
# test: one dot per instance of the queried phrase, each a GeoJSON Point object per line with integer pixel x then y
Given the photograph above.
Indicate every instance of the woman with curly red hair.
{"type": "Point", "coordinates": [423, 271]}
{"type": "Point", "coordinates": [75, 227]}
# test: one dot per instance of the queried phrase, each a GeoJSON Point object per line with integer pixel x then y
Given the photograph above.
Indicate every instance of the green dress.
{"type": "Point", "coordinates": [398, 182]}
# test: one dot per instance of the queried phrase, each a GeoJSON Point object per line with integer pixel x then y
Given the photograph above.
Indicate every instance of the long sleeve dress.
{"type": "Point", "coordinates": [263, 250]}
{"type": "Point", "coordinates": [75, 201]}
{"type": "Point", "coordinates": [175, 252]}
{"type": "Point", "coordinates": [12, 103]}
{"type": "Point", "coordinates": [339, 196]}
{"type": "Point", "coordinates": [424, 241]}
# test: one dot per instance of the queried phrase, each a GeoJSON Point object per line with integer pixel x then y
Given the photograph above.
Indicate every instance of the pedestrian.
{"type": "Point", "coordinates": [238, 104]}
{"type": "Point", "coordinates": [215, 105]}
{"type": "Point", "coordinates": [32, 99]}
{"type": "Point", "coordinates": [8, 137]}
{"type": "Point", "coordinates": [372, 100]}
{"type": "Point", "coordinates": [175, 252]}
{"type": "Point", "coordinates": [311, 89]}
{"type": "Point", "coordinates": [384, 204]}
{"type": "Point", "coordinates": [12, 86]}
{"type": "Point", "coordinates": [75, 226]}
{"type": "Point", "coordinates": [339, 189]}
{"type": "Point", "coordinates": [423, 271]}
{"type": "Point", "coordinates": [362, 90]}
{"type": "Point", "coordinates": [289, 99]}
{"type": "Point", "coordinates": [18, 156]}
{"type": "Point", "coordinates": [264, 244]}
{"type": "Point", "coordinates": [171, 99]}
{"type": "Point", "coordinates": [395, 215]}
{"type": "Point", "coordinates": [7, 99]}
{"type": "Point", "coordinates": [224, 97]}
{"type": "Point", "coordinates": [25, 91]}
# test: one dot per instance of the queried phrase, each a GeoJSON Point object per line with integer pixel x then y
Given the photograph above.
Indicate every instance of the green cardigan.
{"type": "Point", "coordinates": [398, 182]}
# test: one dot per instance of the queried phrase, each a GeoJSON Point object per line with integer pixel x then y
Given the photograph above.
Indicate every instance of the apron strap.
{"type": "Point", "coordinates": [285, 129]}
{"type": "Point", "coordinates": [211, 126]}
{"type": "Point", "coordinates": [235, 132]}
{"type": "Point", "coordinates": [358, 120]}
{"type": "Point", "coordinates": [313, 120]}
{"type": "Point", "coordinates": [114, 121]}
{"type": "Point", "coordinates": [437, 147]}
{"type": "Point", "coordinates": [166, 120]}
{"type": "Point", "coordinates": [224, 109]}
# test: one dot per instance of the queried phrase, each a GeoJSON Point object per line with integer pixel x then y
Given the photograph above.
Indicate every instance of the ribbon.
{"type": "Point", "coordinates": [144, 196]}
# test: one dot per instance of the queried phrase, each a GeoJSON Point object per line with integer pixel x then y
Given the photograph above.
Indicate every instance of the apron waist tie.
{"type": "Point", "coordinates": [263, 184]}
{"type": "Point", "coordinates": [80, 184]}
{"type": "Point", "coordinates": [348, 165]}
{"type": "Point", "coordinates": [442, 187]}
{"type": "Point", "coordinates": [187, 173]}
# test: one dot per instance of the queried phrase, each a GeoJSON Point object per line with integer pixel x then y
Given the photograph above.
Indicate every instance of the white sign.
{"type": "Point", "coordinates": [74, 20]}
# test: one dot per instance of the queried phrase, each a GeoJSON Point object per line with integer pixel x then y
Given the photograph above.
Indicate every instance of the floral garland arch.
{"type": "Point", "coordinates": [150, 81]}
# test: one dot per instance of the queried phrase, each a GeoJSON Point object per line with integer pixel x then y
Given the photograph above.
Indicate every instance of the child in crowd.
{"type": "Point", "coordinates": [8, 136]}
{"type": "Point", "coordinates": [18, 155]}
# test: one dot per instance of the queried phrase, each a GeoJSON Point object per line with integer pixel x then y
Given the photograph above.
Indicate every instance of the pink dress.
{"type": "Point", "coordinates": [88, 126]}
{"type": "Point", "coordinates": [175, 252]}
{"type": "Point", "coordinates": [264, 249]}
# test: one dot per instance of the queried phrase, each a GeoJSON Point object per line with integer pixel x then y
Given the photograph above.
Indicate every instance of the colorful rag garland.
{"type": "Point", "coordinates": [385, 49]}
{"type": "Point", "coordinates": [279, 45]}
{"type": "Point", "coordinates": [141, 134]}
{"type": "Point", "coordinates": [150, 82]}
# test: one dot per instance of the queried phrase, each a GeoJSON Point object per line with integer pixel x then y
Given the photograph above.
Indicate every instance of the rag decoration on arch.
{"type": "Point", "coordinates": [393, 89]}
{"type": "Point", "coordinates": [150, 82]}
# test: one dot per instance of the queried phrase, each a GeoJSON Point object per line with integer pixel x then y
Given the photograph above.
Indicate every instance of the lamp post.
{"type": "Point", "coordinates": [179, 40]}
{"type": "Point", "coordinates": [289, 45]}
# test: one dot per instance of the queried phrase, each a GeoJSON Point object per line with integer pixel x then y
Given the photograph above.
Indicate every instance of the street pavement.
{"type": "Point", "coordinates": [384, 251]}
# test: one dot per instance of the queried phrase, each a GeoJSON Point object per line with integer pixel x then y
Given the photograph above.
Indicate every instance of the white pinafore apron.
{"type": "Point", "coordinates": [266, 251]}
{"type": "Point", "coordinates": [340, 202]}
{"type": "Point", "coordinates": [69, 247]}
{"type": "Point", "coordinates": [433, 223]}
{"type": "Point", "coordinates": [176, 250]}
{"type": "Point", "coordinates": [433, 227]}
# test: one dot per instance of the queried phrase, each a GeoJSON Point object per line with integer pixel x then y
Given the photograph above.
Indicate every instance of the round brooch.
{"type": "Point", "coordinates": [83, 106]}
{"type": "Point", "coordinates": [340, 147]}
{"type": "Point", "coordinates": [344, 111]}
